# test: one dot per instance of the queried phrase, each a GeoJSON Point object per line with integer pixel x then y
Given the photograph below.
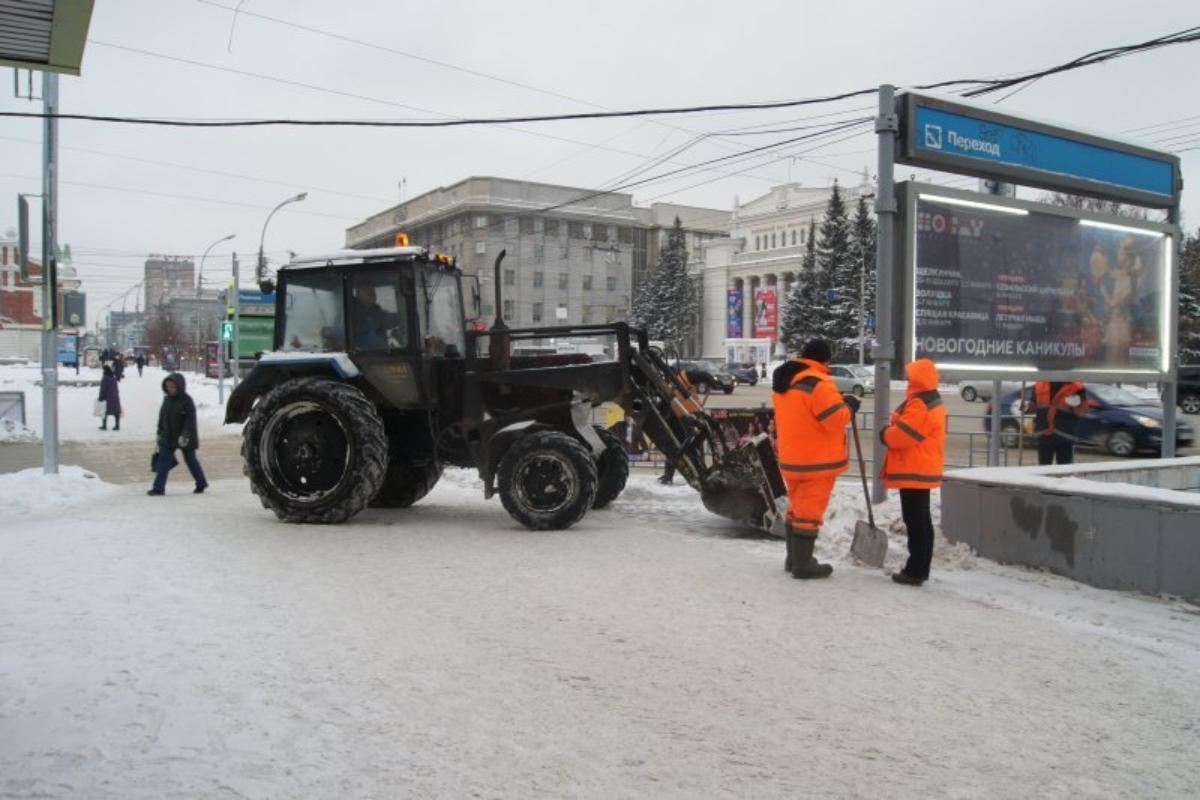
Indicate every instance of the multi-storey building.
{"type": "Point", "coordinates": [21, 300]}
{"type": "Point", "coordinates": [574, 256]}
{"type": "Point", "coordinates": [166, 277]}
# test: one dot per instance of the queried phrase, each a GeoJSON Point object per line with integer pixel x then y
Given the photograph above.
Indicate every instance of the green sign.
{"type": "Point", "coordinates": [255, 335]}
{"type": "Point", "coordinates": [227, 331]}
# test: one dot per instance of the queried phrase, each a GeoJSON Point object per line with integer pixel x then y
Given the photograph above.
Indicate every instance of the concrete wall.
{"type": "Point", "coordinates": [1097, 524]}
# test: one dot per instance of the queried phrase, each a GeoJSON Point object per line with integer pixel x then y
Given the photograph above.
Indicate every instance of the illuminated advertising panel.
{"type": "Point", "coordinates": [1011, 288]}
{"type": "Point", "coordinates": [765, 314]}
{"type": "Point", "coordinates": [733, 324]}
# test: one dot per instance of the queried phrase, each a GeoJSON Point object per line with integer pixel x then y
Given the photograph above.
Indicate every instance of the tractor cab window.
{"type": "Point", "coordinates": [378, 318]}
{"type": "Point", "coordinates": [313, 309]}
{"type": "Point", "coordinates": [439, 307]}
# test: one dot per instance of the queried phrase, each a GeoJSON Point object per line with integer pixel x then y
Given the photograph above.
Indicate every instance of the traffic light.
{"type": "Point", "coordinates": [227, 330]}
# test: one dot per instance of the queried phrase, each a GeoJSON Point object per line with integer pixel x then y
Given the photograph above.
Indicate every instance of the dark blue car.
{"type": "Point", "coordinates": [1117, 421]}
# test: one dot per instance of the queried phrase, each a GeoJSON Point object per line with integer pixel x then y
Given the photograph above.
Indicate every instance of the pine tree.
{"type": "Point", "coordinates": [800, 321]}
{"type": "Point", "coordinates": [864, 256]}
{"type": "Point", "coordinates": [1189, 301]}
{"type": "Point", "coordinates": [667, 304]}
{"type": "Point", "coordinates": [836, 318]}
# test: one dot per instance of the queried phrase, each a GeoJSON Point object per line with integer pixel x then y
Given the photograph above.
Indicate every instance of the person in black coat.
{"type": "Point", "coordinates": [118, 366]}
{"type": "Point", "coordinates": [176, 429]}
{"type": "Point", "coordinates": [111, 395]}
{"type": "Point", "coordinates": [141, 363]}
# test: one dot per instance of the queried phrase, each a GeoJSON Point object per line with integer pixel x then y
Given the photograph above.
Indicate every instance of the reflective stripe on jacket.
{"type": "Point", "coordinates": [916, 436]}
{"type": "Point", "coordinates": [810, 424]}
{"type": "Point", "coordinates": [1050, 401]}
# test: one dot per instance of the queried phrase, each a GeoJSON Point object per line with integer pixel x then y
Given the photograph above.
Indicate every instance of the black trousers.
{"type": "Point", "coordinates": [1055, 449]}
{"type": "Point", "coordinates": [914, 506]}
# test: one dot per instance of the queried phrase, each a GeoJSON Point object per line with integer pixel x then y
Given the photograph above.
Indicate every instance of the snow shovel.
{"type": "Point", "coordinates": [870, 543]}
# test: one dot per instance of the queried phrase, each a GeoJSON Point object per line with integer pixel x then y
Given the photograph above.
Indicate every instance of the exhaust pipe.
{"type": "Point", "coordinates": [498, 347]}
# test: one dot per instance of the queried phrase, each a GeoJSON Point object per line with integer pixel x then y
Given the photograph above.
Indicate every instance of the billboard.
{"type": "Point", "coordinates": [67, 348]}
{"type": "Point", "coordinates": [1015, 289]}
{"type": "Point", "coordinates": [765, 314]}
{"type": "Point", "coordinates": [955, 136]}
{"type": "Point", "coordinates": [733, 324]}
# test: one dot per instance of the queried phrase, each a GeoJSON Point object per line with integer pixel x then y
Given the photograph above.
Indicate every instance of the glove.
{"type": "Point", "coordinates": [184, 441]}
{"type": "Point", "coordinates": [1073, 401]}
{"type": "Point", "coordinates": [852, 401]}
{"type": "Point", "coordinates": [781, 379]}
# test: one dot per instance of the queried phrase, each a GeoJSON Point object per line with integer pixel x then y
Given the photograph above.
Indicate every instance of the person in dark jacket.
{"type": "Point", "coordinates": [118, 366]}
{"type": "Point", "coordinates": [111, 395]}
{"type": "Point", "coordinates": [177, 429]}
{"type": "Point", "coordinates": [141, 363]}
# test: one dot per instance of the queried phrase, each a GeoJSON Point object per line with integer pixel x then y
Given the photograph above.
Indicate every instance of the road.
{"type": "Point", "coordinates": [129, 461]}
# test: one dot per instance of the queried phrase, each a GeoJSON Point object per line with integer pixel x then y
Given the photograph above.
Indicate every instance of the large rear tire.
{"type": "Point", "coordinates": [547, 480]}
{"type": "Point", "coordinates": [612, 468]}
{"type": "Point", "coordinates": [314, 450]}
{"type": "Point", "coordinates": [406, 482]}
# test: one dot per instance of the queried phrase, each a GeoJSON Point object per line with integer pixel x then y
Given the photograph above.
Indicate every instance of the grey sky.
{"type": "Point", "coordinates": [618, 54]}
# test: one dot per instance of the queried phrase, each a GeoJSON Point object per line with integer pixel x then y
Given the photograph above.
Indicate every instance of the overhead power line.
{"type": "Point", "coordinates": [982, 86]}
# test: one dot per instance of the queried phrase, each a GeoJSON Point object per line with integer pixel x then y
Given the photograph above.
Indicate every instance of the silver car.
{"type": "Point", "coordinates": [855, 379]}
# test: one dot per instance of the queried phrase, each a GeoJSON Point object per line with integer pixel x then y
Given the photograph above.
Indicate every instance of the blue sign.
{"type": "Point", "coordinates": [67, 348]}
{"type": "Point", "coordinates": [959, 137]}
{"type": "Point", "coordinates": [251, 297]}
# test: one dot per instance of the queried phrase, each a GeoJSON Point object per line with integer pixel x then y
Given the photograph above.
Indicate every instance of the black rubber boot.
{"type": "Point", "coordinates": [803, 565]}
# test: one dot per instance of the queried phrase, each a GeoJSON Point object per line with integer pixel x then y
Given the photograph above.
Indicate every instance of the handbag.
{"type": "Point", "coordinates": [154, 460]}
{"type": "Point", "coordinates": [99, 407]}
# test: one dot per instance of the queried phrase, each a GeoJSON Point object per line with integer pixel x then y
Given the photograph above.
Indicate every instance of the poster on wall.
{"type": "Point", "coordinates": [765, 314]}
{"type": "Point", "coordinates": [733, 325]}
{"type": "Point", "coordinates": [1010, 288]}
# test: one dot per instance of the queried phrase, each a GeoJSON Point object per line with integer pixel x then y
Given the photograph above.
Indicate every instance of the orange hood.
{"type": "Point", "coordinates": [922, 376]}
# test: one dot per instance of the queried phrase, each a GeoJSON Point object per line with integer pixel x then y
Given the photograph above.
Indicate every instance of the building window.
{"type": "Point", "coordinates": [539, 252]}
{"type": "Point", "coordinates": [803, 236]}
{"type": "Point", "coordinates": [481, 221]}
{"type": "Point", "coordinates": [526, 225]}
{"type": "Point", "coordinates": [561, 314]}
{"type": "Point", "coordinates": [614, 314]}
{"type": "Point", "coordinates": [539, 225]}
{"type": "Point", "coordinates": [587, 283]}
{"type": "Point", "coordinates": [612, 283]}
{"type": "Point", "coordinates": [610, 257]}
{"type": "Point", "coordinates": [757, 243]}
{"type": "Point", "coordinates": [511, 226]}
{"type": "Point", "coordinates": [562, 280]}
{"type": "Point", "coordinates": [587, 315]}
{"type": "Point", "coordinates": [508, 309]}
{"type": "Point", "coordinates": [793, 237]}
{"type": "Point", "coordinates": [537, 312]}
{"type": "Point", "coordinates": [551, 226]}
{"type": "Point", "coordinates": [537, 279]}
{"type": "Point", "coordinates": [611, 233]}
{"type": "Point", "coordinates": [772, 241]}
{"type": "Point", "coordinates": [587, 230]}
{"type": "Point", "coordinates": [480, 248]}
{"type": "Point", "coordinates": [510, 278]}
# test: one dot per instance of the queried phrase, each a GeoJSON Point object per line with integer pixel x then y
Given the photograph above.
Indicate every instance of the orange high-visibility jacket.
{"type": "Point", "coordinates": [810, 424]}
{"type": "Point", "coordinates": [1048, 407]}
{"type": "Point", "coordinates": [916, 437]}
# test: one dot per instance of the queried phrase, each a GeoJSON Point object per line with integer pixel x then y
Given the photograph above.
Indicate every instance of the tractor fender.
{"type": "Point", "coordinates": [275, 368]}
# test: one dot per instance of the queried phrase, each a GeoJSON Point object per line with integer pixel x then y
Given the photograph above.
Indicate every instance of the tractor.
{"type": "Point", "coordinates": [381, 375]}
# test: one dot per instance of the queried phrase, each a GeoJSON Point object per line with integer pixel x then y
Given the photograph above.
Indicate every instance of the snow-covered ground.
{"type": "Point", "coordinates": [193, 646]}
{"type": "Point", "coordinates": [140, 400]}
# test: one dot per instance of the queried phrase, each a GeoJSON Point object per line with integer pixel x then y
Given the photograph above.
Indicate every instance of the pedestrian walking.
{"type": "Point", "coordinates": [118, 366]}
{"type": "Point", "coordinates": [1057, 408]}
{"type": "Point", "coordinates": [916, 447]}
{"type": "Point", "coordinates": [141, 363]}
{"type": "Point", "coordinates": [110, 395]}
{"type": "Point", "coordinates": [811, 417]}
{"type": "Point", "coordinates": [176, 430]}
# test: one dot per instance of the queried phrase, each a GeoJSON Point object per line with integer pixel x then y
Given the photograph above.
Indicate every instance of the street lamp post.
{"type": "Point", "coordinates": [199, 289]}
{"type": "Point", "coordinates": [262, 263]}
{"type": "Point", "coordinates": [862, 299]}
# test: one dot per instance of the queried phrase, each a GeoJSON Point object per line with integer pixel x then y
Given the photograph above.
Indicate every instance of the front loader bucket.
{"type": "Point", "coordinates": [745, 485]}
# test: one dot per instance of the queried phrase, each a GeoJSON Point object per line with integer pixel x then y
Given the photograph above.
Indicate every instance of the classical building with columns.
{"type": "Point", "coordinates": [747, 276]}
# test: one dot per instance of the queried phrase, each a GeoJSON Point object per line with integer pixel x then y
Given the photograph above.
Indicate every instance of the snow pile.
{"type": "Point", "coordinates": [13, 431]}
{"type": "Point", "coordinates": [140, 401]}
{"type": "Point", "coordinates": [31, 491]}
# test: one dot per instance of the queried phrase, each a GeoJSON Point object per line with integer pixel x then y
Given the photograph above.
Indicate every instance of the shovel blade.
{"type": "Point", "coordinates": [870, 544]}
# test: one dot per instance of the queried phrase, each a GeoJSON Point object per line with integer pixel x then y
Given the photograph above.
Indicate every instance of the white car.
{"type": "Point", "coordinates": [853, 378]}
{"type": "Point", "coordinates": [982, 389]}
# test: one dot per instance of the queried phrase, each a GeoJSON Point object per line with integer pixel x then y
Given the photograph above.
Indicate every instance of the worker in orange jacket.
{"type": "Point", "coordinates": [916, 448]}
{"type": "Point", "coordinates": [810, 423]}
{"type": "Point", "coordinates": [1056, 408]}
{"type": "Point", "coordinates": [684, 402]}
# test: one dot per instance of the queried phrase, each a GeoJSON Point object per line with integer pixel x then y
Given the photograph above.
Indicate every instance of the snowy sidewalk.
{"type": "Point", "coordinates": [193, 646]}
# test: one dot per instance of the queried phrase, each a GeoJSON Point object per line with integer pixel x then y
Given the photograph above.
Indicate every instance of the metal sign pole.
{"type": "Point", "coordinates": [1170, 394]}
{"type": "Point", "coordinates": [994, 439]}
{"type": "Point", "coordinates": [221, 369]}
{"type": "Point", "coordinates": [886, 126]}
{"type": "Point", "coordinates": [237, 313]}
{"type": "Point", "coordinates": [49, 275]}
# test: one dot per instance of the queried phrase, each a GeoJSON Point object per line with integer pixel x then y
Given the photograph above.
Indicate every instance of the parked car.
{"type": "Point", "coordinates": [1116, 420]}
{"type": "Point", "coordinates": [744, 373]}
{"type": "Point", "coordinates": [708, 377]}
{"type": "Point", "coordinates": [856, 379]}
{"type": "Point", "coordinates": [1189, 389]}
{"type": "Point", "coordinates": [982, 390]}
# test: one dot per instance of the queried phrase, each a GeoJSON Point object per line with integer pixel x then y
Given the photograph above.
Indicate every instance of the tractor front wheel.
{"type": "Point", "coordinates": [547, 480]}
{"type": "Point", "coordinates": [314, 450]}
{"type": "Point", "coordinates": [612, 468]}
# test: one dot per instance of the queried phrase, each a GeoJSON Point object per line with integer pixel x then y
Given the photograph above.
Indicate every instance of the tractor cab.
{"type": "Point", "coordinates": [396, 314]}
